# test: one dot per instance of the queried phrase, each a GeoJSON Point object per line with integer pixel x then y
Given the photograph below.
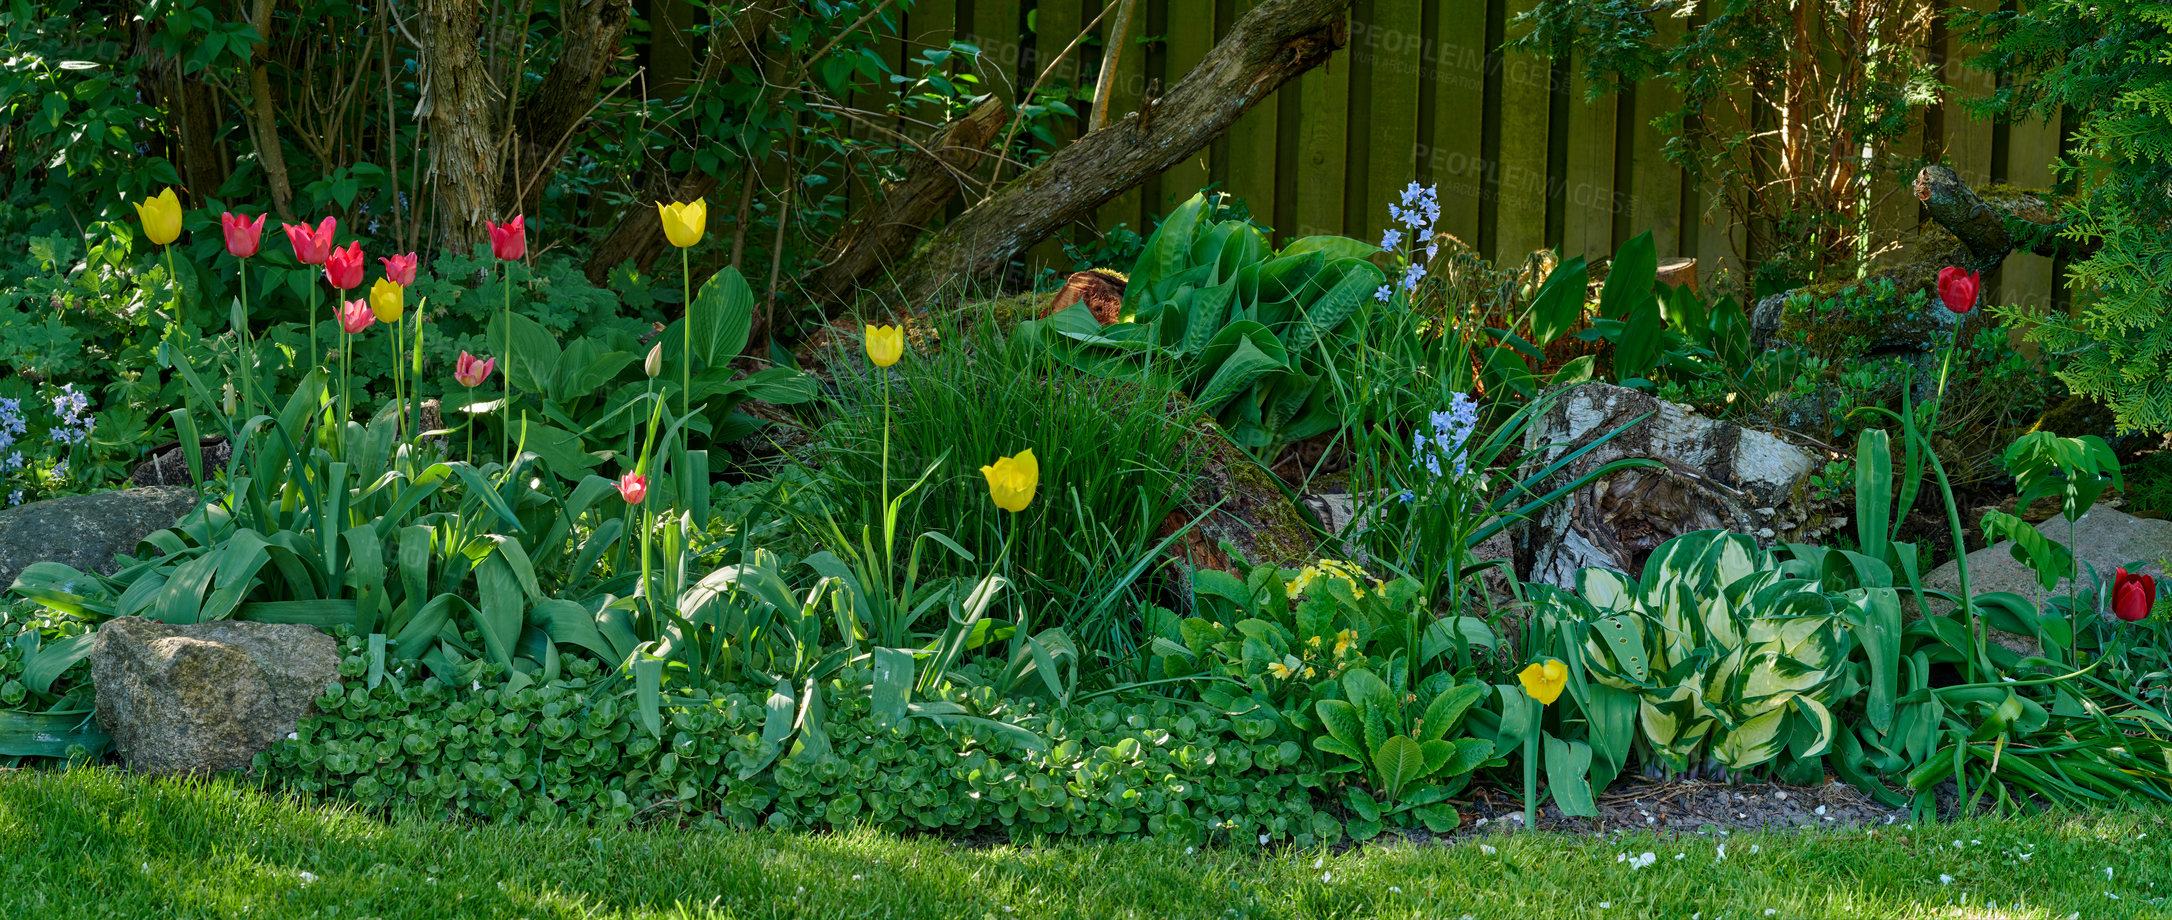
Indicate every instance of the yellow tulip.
{"type": "Point", "coordinates": [387, 300]}
{"type": "Point", "coordinates": [684, 223]}
{"type": "Point", "coordinates": [885, 344]}
{"type": "Point", "coordinates": [1544, 681]}
{"type": "Point", "coordinates": [1011, 480]}
{"type": "Point", "coordinates": [161, 215]}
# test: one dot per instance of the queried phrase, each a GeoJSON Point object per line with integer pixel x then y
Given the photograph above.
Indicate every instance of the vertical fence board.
{"type": "Point", "coordinates": [994, 27]}
{"type": "Point", "coordinates": [1252, 149]}
{"type": "Point", "coordinates": [1654, 185]}
{"type": "Point", "coordinates": [1323, 119]}
{"type": "Point", "coordinates": [1125, 209]}
{"type": "Point", "coordinates": [2026, 279]}
{"type": "Point", "coordinates": [1967, 138]}
{"type": "Point", "coordinates": [1189, 35]}
{"type": "Point", "coordinates": [1394, 43]}
{"type": "Point", "coordinates": [1526, 92]}
{"type": "Point", "coordinates": [1455, 65]}
{"type": "Point", "coordinates": [1055, 24]}
{"type": "Point", "coordinates": [1588, 189]}
{"type": "Point", "coordinates": [1720, 238]}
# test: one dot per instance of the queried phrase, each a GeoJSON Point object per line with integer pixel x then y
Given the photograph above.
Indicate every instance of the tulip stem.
{"type": "Point", "coordinates": [1530, 766]}
{"type": "Point", "coordinates": [246, 362]}
{"type": "Point", "coordinates": [506, 439]}
{"type": "Point", "coordinates": [180, 309]}
{"type": "Point", "coordinates": [346, 373]}
{"type": "Point", "coordinates": [686, 339]}
{"type": "Point", "coordinates": [314, 354]}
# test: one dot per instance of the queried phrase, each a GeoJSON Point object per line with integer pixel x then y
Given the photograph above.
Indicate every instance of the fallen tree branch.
{"type": "Point", "coordinates": [886, 228]}
{"type": "Point", "coordinates": [1274, 43]}
{"type": "Point", "coordinates": [1990, 232]}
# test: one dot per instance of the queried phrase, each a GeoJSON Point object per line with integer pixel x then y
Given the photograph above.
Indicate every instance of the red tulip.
{"type": "Point", "coordinates": [1958, 288]}
{"type": "Point", "coordinates": [356, 316]}
{"type": "Point", "coordinates": [399, 270]}
{"type": "Point", "coordinates": [312, 247]}
{"type": "Point", "coordinates": [344, 267]}
{"type": "Point", "coordinates": [2133, 593]}
{"type": "Point", "coordinates": [472, 372]}
{"type": "Point", "coordinates": [242, 234]}
{"type": "Point", "coordinates": [633, 487]}
{"type": "Point", "coordinates": [509, 240]}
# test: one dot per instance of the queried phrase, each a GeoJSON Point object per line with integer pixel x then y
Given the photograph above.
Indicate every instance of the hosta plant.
{"type": "Point", "coordinates": [1730, 659]}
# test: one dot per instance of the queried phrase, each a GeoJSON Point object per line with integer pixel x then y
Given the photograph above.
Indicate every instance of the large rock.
{"type": "Point", "coordinates": [86, 532]}
{"type": "Point", "coordinates": [1711, 475]}
{"type": "Point", "coordinates": [205, 697]}
{"type": "Point", "coordinates": [2103, 537]}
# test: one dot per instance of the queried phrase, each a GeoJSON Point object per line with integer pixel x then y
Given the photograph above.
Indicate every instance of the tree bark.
{"type": "Point", "coordinates": [1990, 232]}
{"type": "Point", "coordinates": [886, 228]}
{"type": "Point", "coordinates": [263, 125]}
{"type": "Point", "coordinates": [548, 119]}
{"type": "Point", "coordinates": [466, 167]}
{"type": "Point", "coordinates": [1269, 46]}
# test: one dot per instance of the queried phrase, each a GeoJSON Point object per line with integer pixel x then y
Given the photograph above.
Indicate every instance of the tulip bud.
{"type": "Point", "coordinates": [654, 363]}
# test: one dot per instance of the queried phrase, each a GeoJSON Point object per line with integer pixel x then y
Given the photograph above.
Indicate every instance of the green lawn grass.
{"type": "Point", "coordinates": [94, 843]}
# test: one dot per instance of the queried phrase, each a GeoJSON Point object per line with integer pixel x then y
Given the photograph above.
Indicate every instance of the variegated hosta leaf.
{"type": "Point", "coordinates": [1616, 646]}
{"type": "Point", "coordinates": [1755, 742]}
{"type": "Point", "coordinates": [1606, 591]}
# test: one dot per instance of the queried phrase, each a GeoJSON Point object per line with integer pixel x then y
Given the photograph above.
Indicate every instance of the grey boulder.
{"type": "Point", "coordinates": [205, 697]}
{"type": "Point", "coordinates": [2102, 537]}
{"type": "Point", "coordinates": [86, 532]}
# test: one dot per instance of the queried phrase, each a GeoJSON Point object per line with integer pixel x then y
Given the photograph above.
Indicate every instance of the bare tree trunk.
{"type": "Point", "coordinates": [263, 126]}
{"type": "Point", "coordinates": [549, 119]}
{"type": "Point", "coordinates": [1269, 46]}
{"type": "Point", "coordinates": [465, 162]}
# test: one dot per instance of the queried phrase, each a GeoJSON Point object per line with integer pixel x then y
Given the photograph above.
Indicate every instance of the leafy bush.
{"type": "Point", "coordinates": [2106, 63]}
{"type": "Point", "coordinates": [1248, 332]}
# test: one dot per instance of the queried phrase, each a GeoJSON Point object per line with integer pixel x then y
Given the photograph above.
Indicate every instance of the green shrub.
{"type": "Point", "coordinates": [2110, 64]}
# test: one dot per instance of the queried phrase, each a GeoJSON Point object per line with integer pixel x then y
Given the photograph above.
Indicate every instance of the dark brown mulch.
{"type": "Point", "coordinates": [1689, 806]}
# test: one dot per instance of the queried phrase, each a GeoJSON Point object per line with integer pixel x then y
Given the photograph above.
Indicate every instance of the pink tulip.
{"type": "Point", "coordinates": [399, 270]}
{"type": "Point", "coordinates": [356, 316]}
{"type": "Point", "coordinates": [633, 487]}
{"type": "Point", "coordinates": [471, 372]}
{"type": "Point", "coordinates": [509, 240]}
{"type": "Point", "coordinates": [1958, 288]}
{"type": "Point", "coordinates": [242, 234]}
{"type": "Point", "coordinates": [312, 247]}
{"type": "Point", "coordinates": [343, 267]}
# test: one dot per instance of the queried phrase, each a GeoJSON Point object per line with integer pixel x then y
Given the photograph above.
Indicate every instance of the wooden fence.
{"type": "Point", "coordinates": [1522, 161]}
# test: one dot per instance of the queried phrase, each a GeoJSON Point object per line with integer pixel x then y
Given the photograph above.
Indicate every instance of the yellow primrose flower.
{"type": "Point", "coordinates": [1544, 681]}
{"type": "Point", "coordinates": [161, 215]}
{"type": "Point", "coordinates": [1011, 480]}
{"type": "Point", "coordinates": [1343, 641]}
{"type": "Point", "coordinates": [885, 344]}
{"type": "Point", "coordinates": [684, 223]}
{"type": "Point", "coordinates": [1278, 669]}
